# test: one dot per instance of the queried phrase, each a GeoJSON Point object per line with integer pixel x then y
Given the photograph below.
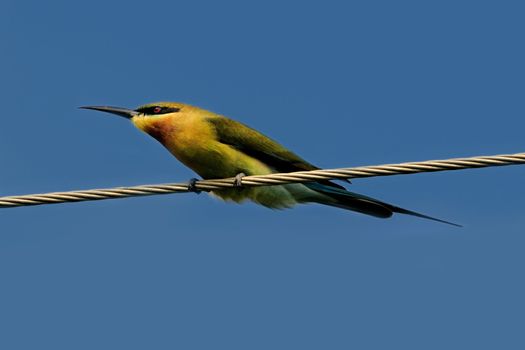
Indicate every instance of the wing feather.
{"type": "Point", "coordinates": [259, 146]}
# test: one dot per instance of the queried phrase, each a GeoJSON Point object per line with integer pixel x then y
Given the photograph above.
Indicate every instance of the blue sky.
{"type": "Point", "coordinates": [342, 84]}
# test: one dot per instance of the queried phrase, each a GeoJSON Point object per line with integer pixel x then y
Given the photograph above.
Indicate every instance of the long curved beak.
{"type": "Point", "coordinates": [123, 112]}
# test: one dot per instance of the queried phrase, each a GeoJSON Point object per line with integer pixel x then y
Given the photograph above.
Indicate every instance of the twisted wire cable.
{"type": "Point", "coordinates": [265, 180]}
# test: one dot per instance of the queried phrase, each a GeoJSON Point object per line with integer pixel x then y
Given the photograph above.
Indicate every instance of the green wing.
{"type": "Point", "coordinates": [256, 145]}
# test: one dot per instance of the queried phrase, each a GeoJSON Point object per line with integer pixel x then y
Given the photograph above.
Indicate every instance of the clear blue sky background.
{"type": "Point", "coordinates": [342, 85]}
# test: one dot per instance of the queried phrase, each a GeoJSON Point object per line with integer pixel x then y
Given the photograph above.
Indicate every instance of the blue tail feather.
{"type": "Point", "coordinates": [342, 198]}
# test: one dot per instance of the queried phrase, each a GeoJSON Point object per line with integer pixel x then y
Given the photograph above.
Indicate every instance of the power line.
{"type": "Point", "coordinates": [265, 180]}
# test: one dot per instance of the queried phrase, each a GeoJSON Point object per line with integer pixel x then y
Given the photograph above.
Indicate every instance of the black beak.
{"type": "Point", "coordinates": [123, 112]}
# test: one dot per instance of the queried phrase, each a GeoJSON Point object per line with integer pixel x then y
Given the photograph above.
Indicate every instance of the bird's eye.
{"type": "Point", "coordinates": [157, 110]}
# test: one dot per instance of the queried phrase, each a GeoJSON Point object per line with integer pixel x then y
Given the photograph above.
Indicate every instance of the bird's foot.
{"type": "Point", "coordinates": [192, 187]}
{"type": "Point", "coordinates": [237, 182]}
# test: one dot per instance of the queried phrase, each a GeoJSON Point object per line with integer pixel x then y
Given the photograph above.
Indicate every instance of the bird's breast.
{"type": "Point", "coordinates": [193, 142]}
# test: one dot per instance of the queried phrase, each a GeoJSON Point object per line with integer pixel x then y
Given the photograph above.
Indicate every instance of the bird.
{"type": "Point", "coordinates": [215, 146]}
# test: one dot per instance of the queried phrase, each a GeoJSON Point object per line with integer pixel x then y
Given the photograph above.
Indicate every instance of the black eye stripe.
{"type": "Point", "coordinates": [156, 110]}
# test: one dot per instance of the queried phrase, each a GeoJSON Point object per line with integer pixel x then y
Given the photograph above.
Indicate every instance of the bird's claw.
{"type": "Point", "coordinates": [237, 182]}
{"type": "Point", "coordinates": [192, 185]}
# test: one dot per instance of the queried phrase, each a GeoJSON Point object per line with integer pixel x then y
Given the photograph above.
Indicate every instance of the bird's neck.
{"type": "Point", "coordinates": [161, 128]}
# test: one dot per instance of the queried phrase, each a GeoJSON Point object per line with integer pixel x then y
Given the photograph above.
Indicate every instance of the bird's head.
{"type": "Point", "coordinates": [155, 119]}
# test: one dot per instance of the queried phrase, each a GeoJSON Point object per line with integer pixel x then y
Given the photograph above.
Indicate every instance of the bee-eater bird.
{"type": "Point", "coordinates": [218, 147]}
